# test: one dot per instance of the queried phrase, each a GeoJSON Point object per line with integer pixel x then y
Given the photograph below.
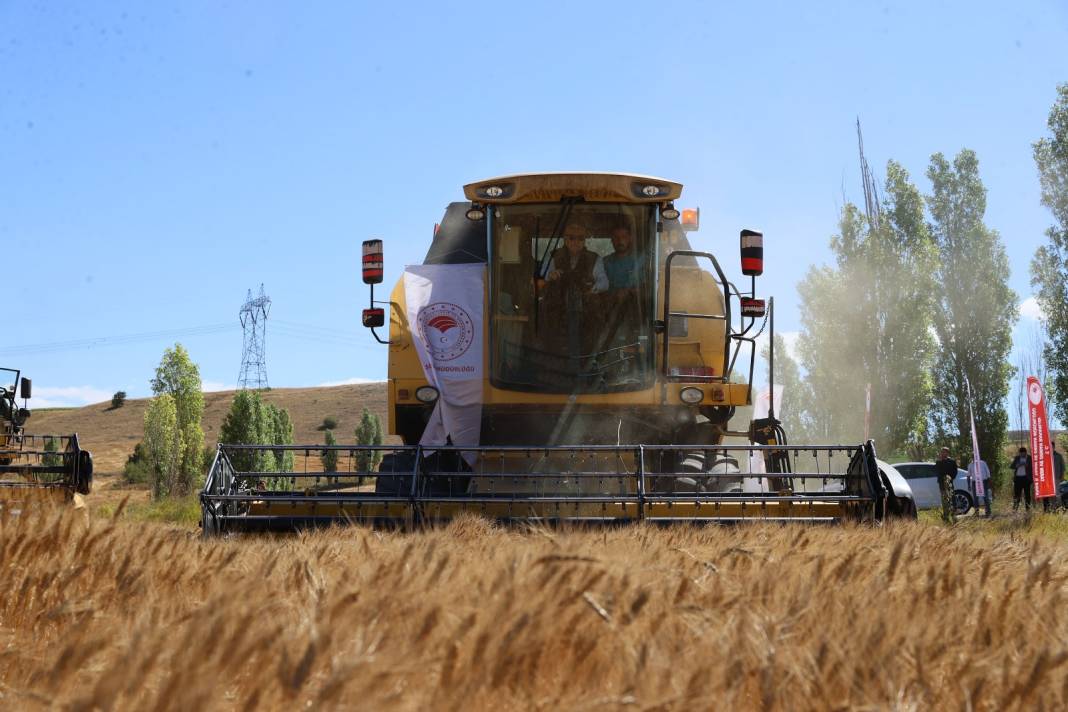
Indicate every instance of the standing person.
{"type": "Point", "coordinates": [946, 469]}
{"type": "Point", "coordinates": [978, 470]}
{"type": "Point", "coordinates": [1049, 504]}
{"type": "Point", "coordinates": [1021, 479]}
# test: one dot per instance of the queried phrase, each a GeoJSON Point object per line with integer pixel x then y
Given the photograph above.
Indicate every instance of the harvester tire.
{"type": "Point", "coordinates": [707, 469]}
{"type": "Point", "coordinates": [209, 525]}
{"type": "Point", "coordinates": [900, 508]}
{"type": "Point", "coordinates": [84, 483]}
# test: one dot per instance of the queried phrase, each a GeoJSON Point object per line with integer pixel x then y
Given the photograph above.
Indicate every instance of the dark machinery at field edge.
{"type": "Point", "coordinates": [51, 467]}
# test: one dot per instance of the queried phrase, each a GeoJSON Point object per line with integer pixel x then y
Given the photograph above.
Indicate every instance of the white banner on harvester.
{"type": "Point", "coordinates": [444, 309]}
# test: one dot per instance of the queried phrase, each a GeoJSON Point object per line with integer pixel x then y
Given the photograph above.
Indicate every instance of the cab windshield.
{"type": "Point", "coordinates": [572, 296]}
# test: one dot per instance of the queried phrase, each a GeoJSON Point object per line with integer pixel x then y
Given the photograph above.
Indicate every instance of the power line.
{"type": "Point", "coordinates": [114, 340]}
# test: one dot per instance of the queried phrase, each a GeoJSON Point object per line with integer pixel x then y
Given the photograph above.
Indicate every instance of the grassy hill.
{"type": "Point", "coordinates": [111, 434]}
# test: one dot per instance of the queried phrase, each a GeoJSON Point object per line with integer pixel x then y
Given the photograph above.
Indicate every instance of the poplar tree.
{"type": "Point", "coordinates": [163, 445]}
{"type": "Point", "coordinates": [368, 432]}
{"type": "Point", "coordinates": [1049, 268]}
{"type": "Point", "coordinates": [329, 457]}
{"type": "Point", "coordinates": [975, 313]}
{"type": "Point", "coordinates": [867, 320]}
{"type": "Point", "coordinates": [178, 377]}
{"type": "Point", "coordinates": [251, 421]}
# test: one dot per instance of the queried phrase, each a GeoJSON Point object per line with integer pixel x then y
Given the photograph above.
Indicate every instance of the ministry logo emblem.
{"type": "Point", "coordinates": [447, 330]}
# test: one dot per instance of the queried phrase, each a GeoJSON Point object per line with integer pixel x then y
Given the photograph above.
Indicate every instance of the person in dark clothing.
{"type": "Point", "coordinates": [575, 273]}
{"type": "Point", "coordinates": [946, 469]}
{"type": "Point", "coordinates": [1049, 504]}
{"type": "Point", "coordinates": [1021, 479]}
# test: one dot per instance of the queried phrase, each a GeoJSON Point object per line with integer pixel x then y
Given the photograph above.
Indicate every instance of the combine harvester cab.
{"type": "Point", "coordinates": [563, 354]}
{"type": "Point", "coordinates": [37, 469]}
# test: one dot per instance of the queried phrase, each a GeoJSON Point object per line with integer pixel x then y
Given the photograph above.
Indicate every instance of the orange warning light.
{"type": "Point", "coordinates": [691, 219]}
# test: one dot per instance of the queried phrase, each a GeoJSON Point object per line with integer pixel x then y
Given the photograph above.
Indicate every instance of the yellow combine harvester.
{"type": "Point", "coordinates": [563, 353]}
{"type": "Point", "coordinates": [50, 468]}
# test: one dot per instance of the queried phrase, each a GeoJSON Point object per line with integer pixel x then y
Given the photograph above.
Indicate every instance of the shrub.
{"type": "Point", "coordinates": [137, 470]}
{"type": "Point", "coordinates": [328, 423]}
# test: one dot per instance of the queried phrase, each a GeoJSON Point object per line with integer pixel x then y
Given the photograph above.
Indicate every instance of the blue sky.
{"type": "Point", "coordinates": [158, 160]}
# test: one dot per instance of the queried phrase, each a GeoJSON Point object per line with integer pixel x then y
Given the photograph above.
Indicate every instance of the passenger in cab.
{"type": "Point", "coordinates": [622, 266]}
{"type": "Point", "coordinates": [623, 269]}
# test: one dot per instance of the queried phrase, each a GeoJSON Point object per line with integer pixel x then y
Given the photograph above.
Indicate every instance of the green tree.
{"type": "Point", "coordinates": [368, 432]}
{"type": "Point", "coordinates": [280, 433]}
{"type": "Point", "coordinates": [975, 313]}
{"type": "Point", "coordinates": [118, 400]}
{"type": "Point", "coordinates": [868, 320]}
{"type": "Point", "coordinates": [178, 377]}
{"type": "Point", "coordinates": [250, 421]}
{"type": "Point", "coordinates": [329, 457]}
{"type": "Point", "coordinates": [1049, 268]}
{"type": "Point", "coordinates": [241, 426]}
{"type": "Point", "coordinates": [163, 445]}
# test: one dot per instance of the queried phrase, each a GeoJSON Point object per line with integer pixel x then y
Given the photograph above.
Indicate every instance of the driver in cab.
{"type": "Point", "coordinates": [577, 269]}
{"type": "Point", "coordinates": [574, 275]}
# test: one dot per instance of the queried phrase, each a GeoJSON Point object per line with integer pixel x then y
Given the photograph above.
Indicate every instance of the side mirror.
{"type": "Point", "coordinates": [25, 388]}
{"type": "Point", "coordinates": [372, 262]}
{"type": "Point", "coordinates": [752, 253]}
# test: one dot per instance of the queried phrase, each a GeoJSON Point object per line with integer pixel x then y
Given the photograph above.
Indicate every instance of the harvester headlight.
{"type": "Point", "coordinates": [651, 190]}
{"type": "Point", "coordinates": [691, 395]}
{"type": "Point", "coordinates": [494, 191]}
{"type": "Point", "coordinates": [476, 213]}
{"type": "Point", "coordinates": [670, 212]}
{"type": "Point", "coordinates": [426, 394]}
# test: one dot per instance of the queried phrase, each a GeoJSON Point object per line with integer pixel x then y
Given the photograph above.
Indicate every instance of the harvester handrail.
{"type": "Point", "coordinates": [668, 314]}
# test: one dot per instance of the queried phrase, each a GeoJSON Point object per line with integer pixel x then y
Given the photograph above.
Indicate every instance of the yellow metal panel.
{"type": "Point", "coordinates": [550, 187]}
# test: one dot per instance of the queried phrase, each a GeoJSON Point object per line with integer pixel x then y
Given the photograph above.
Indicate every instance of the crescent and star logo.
{"type": "Point", "coordinates": [447, 330]}
{"type": "Point", "coordinates": [1034, 393]}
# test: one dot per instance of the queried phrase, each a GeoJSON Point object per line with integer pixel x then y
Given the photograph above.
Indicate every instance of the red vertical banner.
{"type": "Point", "coordinates": [1041, 453]}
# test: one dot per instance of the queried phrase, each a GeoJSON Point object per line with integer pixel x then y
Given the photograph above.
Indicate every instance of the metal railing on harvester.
{"type": "Point", "coordinates": [44, 462]}
{"type": "Point", "coordinates": [247, 489]}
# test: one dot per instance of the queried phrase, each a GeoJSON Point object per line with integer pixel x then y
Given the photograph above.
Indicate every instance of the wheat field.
{"type": "Point", "coordinates": [113, 614]}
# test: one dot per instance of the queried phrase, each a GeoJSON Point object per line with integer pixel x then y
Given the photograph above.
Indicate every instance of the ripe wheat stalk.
{"type": "Point", "coordinates": [119, 615]}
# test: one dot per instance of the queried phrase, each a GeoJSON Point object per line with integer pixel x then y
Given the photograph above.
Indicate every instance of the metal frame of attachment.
{"type": "Point", "coordinates": [600, 484]}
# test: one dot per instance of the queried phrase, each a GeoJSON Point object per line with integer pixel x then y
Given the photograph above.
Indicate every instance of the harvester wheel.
{"type": "Point", "coordinates": [709, 469]}
{"type": "Point", "coordinates": [209, 525]}
{"type": "Point", "coordinates": [85, 473]}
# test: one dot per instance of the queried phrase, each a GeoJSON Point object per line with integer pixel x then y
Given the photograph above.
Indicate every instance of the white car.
{"type": "Point", "coordinates": [924, 482]}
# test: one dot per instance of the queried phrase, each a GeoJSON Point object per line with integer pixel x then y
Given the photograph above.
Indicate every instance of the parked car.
{"type": "Point", "coordinates": [924, 482]}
